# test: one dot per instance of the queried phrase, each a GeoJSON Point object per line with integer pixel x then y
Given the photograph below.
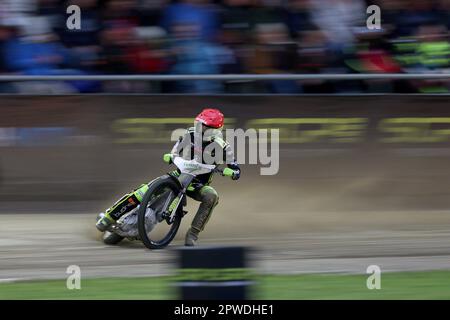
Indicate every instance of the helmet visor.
{"type": "Point", "coordinates": [208, 133]}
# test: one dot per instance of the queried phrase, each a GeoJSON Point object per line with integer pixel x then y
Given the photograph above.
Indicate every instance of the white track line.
{"type": "Point", "coordinates": [10, 280]}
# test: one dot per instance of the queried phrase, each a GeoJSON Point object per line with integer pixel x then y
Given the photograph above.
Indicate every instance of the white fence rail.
{"type": "Point", "coordinates": [230, 77]}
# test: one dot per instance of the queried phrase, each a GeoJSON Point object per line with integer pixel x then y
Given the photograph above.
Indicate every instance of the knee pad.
{"type": "Point", "coordinates": [210, 196]}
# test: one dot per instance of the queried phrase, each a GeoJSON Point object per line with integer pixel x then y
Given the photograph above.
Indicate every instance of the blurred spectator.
{"type": "Point", "coordinates": [134, 51]}
{"type": "Point", "coordinates": [299, 17]}
{"type": "Point", "coordinates": [372, 54]}
{"type": "Point", "coordinates": [36, 51]}
{"type": "Point", "coordinates": [6, 32]}
{"type": "Point", "coordinates": [432, 55]}
{"type": "Point", "coordinates": [14, 9]}
{"type": "Point", "coordinates": [190, 12]}
{"type": "Point", "coordinates": [84, 43]}
{"type": "Point", "coordinates": [193, 55]}
{"type": "Point", "coordinates": [443, 9]}
{"type": "Point", "coordinates": [414, 14]}
{"type": "Point", "coordinates": [150, 12]}
{"type": "Point", "coordinates": [53, 11]}
{"type": "Point", "coordinates": [339, 20]}
{"type": "Point", "coordinates": [148, 53]}
{"type": "Point", "coordinates": [274, 52]}
{"type": "Point", "coordinates": [268, 11]}
{"type": "Point", "coordinates": [225, 37]}
{"type": "Point", "coordinates": [315, 56]}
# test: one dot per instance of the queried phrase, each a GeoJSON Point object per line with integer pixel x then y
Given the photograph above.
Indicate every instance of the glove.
{"type": "Point", "coordinates": [168, 157]}
{"type": "Point", "coordinates": [234, 174]}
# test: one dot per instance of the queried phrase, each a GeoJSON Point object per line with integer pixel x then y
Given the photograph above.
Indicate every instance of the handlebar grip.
{"type": "Point", "coordinates": [227, 172]}
{"type": "Point", "coordinates": [168, 158]}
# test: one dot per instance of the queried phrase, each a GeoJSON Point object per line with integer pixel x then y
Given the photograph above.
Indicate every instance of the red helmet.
{"type": "Point", "coordinates": [211, 117]}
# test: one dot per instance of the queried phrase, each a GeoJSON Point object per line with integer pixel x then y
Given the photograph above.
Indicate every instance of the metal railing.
{"type": "Point", "coordinates": [229, 77]}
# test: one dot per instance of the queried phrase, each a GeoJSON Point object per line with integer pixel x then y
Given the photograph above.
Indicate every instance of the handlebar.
{"type": "Point", "coordinates": [227, 172]}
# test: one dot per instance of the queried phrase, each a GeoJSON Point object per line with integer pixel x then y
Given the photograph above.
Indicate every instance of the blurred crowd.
{"type": "Point", "coordinates": [224, 37]}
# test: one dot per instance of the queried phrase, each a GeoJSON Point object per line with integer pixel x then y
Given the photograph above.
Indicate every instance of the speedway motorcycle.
{"type": "Point", "coordinates": [158, 217]}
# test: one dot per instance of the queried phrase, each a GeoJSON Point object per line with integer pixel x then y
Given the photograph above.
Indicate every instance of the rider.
{"type": "Point", "coordinates": [211, 123]}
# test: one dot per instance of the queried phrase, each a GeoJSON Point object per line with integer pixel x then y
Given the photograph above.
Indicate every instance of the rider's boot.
{"type": "Point", "coordinates": [209, 199]}
{"type": "Point", "coordinates": [127, 203]}
{"type": "Point", "coordinates": [191, 237]}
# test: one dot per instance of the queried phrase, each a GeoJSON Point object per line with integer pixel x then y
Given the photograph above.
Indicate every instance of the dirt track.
{"type": "Point", "coordinates": [36, 246]}
{"type": "Point", "coordinates": [319, 214]}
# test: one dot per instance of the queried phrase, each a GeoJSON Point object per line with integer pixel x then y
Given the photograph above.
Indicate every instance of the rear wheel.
{"type": "Point", "coordinates": [156, 228]}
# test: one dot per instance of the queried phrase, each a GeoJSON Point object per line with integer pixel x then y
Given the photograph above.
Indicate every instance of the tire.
{"type": "Point", "coordinates": [111, 238]}
{"type": "Point", "coordinates": [160, 184]}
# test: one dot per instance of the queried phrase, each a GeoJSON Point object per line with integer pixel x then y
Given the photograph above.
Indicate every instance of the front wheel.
{"type": "Point", "coordinates": [156, 229]}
